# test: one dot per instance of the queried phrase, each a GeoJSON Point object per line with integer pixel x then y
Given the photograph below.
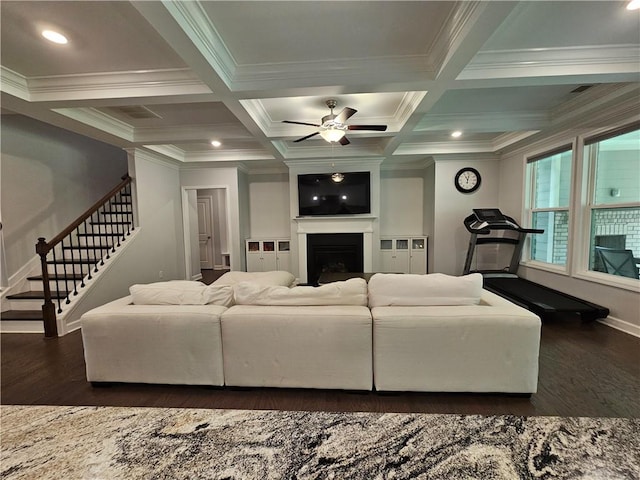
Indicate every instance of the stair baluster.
{"type": "Point", "coordinates": [64, 241]}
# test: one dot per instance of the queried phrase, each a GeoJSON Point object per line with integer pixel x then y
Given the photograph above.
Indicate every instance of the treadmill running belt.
{"type": "Point", "coordinates": [542, 300]}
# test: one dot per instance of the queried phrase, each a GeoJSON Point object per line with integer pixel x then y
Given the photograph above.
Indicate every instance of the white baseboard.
{"type": "Point", "coordinates": [621, 325]}
{"type": "Point", "coordinates": [196, 277]}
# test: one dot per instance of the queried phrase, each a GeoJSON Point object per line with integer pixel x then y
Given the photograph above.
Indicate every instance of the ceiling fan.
{"type": "Point", "coordinates": [333, 128]}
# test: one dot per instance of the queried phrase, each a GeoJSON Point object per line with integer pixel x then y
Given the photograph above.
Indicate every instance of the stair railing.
{"type": "Point", "coordinates": [101, 237]}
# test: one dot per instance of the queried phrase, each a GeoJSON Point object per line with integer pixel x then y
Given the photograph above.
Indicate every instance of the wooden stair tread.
{"type": "Point", "coordinates": [29, 315]}
{"type": "Point", "coordinates": [35, 295]}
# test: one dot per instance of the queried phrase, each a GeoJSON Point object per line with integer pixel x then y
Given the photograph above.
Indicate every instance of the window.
{"type": "Point", "coordinates": [550, 194]}
{"type": "Point", "coordinates": [613, 161]}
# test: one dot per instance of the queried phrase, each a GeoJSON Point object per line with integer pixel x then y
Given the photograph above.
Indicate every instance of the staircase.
{"type": "Point", "coordinates": [72, 258]}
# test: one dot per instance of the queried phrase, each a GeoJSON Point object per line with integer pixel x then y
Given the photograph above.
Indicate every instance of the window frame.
{"type": "Point", "coordinates": [530, 209]}
{"type": "Point", "coordinates": [584, 205]}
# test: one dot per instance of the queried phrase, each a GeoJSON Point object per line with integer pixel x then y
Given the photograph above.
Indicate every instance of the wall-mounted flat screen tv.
{"type": "Point", "coordinates": [334, 193]}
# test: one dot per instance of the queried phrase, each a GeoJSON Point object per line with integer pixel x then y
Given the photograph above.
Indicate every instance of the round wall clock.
{"type": "Point", "coordinates": [467, 180]}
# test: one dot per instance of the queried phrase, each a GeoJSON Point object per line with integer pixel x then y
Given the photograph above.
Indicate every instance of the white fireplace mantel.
{"type": "Point", "coordinates": [365, 224]}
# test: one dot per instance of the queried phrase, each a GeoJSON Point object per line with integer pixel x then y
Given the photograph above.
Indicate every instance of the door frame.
{"type": "Point", "coordinates": [186, 220]}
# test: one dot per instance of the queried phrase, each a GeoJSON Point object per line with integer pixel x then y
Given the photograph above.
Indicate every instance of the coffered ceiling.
{"type": "Point", "coordinates": [172, 76]}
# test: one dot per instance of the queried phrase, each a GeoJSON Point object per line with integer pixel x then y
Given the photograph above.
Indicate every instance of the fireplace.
{"type": "Point", "coordinates": [333, 252]}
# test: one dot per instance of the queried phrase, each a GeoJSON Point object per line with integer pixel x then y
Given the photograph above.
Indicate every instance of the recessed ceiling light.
{"type": "Point", "coordinates": [215, 143]}
{"type": "Point", "coordinates": [633, 5]}
{"type": "Point", "coordinates": [55, 37]}
{"type": "Point", "coordinates": [456, 134]}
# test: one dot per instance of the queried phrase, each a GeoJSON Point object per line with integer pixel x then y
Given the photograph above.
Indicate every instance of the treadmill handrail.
{"type": "Point", "coordinates": [473, 225]}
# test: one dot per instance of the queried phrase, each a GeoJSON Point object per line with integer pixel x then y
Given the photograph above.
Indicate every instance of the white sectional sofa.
{"type": "Point", "coordinates": [299, 337]}
{"type": "Point", "coordinates": [421, 343]}
{"type": "Point", "coordinates": [399, 333]}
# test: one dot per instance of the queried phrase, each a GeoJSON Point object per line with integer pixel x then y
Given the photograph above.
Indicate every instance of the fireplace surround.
{"type": "Point", "coordinates": [333, 252]}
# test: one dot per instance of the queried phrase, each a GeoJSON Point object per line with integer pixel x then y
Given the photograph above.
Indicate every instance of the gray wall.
{"type": "Point", "coordinates": [50, 176]}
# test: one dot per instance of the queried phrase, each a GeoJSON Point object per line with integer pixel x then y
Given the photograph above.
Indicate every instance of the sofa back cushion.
{"type": "Point", "coordinates": [276, 277]}
{"type": "Point", "coordinates": [349, 292]}
{"type": "Point", "coordinates": [181, 292]}
{"type": "Point", "coordinates": [387, 289]}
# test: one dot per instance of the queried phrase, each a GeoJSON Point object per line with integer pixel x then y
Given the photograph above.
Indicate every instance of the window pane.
{"type": "Point", "coordinates": [616, 229]}
{"type": "Point", "coordinates": [550, 246]}
{"type": "Point", "coordinates": [552, 180]}
{"type": "Point", "coordinates": [617, 171]}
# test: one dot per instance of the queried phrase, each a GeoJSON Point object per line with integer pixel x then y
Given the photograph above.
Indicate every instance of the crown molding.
{"type": "Point", "coordinates": [194, 21]}
{"type": "Point", "coordinates": [170, 151]}
{"type": "Point", "coordinates": [434, 148]}
{"type": "Point", "coordinates": [152, 157]}
{"type": "Point", "coordinates": [453, 31]}
{"type": "Point", "coordinates": [466, 157]}
{"type": "Point", "coordinates": [379, 70]}
{"type": "Point", "coordinates": [553, 61]}
{"type": "Point", "coordinates": [240, 155]}
{"type": "Point", "coordinates": [14, 84]}
{"type": "Point", "coordinates": [101, 121]}
{"type": "Point", "coordinates": [161, 82]}
{"type": "Point", "coordinates": [596, 97]}
{"type": "Point", "coordinates": [484, 122]}
{"type": "Point", "coordinates": [288, 152]}
{"type": "Point", "coordinates": [189, 133]}
{"type": "Point", "coordinates": [506, 139]}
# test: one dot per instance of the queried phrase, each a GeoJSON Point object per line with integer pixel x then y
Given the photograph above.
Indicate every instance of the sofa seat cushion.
{"type": "Point", "coordinates": [298, 347]}
{"type": "Point", "coordinates": [348, 292]}
{"type": "Point", "coordinates": [490, 347]}
{"type": "Point", "coordinates": [275, 277]}
{"type": "Point", "coordinates": [166, 344]}
{"type": "Point", "coordinates": [430, 289]}
{"type": "Point", "coordinates": [181, 292]}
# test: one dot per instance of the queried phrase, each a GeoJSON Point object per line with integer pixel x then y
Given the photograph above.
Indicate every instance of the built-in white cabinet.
{"type": "Point", "coordinates": [404, 254]}
{"type": "Point", "coordinates": [267, 255]}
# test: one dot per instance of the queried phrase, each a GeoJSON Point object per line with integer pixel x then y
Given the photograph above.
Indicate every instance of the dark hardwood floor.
{"type": "Point", "coordinates": [585, 370]}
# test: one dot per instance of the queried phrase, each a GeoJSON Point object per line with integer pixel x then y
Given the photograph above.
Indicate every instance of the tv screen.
{"type": "Point", "coordinates": [322, 194]}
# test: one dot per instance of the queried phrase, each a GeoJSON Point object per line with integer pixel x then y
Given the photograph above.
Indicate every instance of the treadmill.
{"type": "Point", "coordinates": [543, 301]}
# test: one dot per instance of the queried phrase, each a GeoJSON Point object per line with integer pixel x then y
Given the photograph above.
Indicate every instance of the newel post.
{"type": "Point", "coordinates": [48, 308]}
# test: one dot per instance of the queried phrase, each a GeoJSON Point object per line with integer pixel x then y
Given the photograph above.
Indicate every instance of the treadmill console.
{"type": "Point", "coordinates": [491, 217]}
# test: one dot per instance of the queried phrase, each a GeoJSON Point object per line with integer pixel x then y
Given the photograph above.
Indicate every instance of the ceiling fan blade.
{"type": "Point", "coordinates": [344, 141]}
{"type": "Point", "coordinates": [344, 115]}
{"type": "Point", "coordinates": [377, 128]}
{"type": "Point", "coordinates": [300, 123]}
{"type": "Point", "coordinates": [308, 136]}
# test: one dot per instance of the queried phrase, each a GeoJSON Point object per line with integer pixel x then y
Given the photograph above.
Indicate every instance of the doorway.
{"type": "Point", "coordinates": [206, 230]}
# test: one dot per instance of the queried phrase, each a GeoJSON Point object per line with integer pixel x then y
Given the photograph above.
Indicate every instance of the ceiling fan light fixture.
{"type": "Point", "coordinates": [337, 177]}
{"type": "Point", "coordinates": [332, 134]}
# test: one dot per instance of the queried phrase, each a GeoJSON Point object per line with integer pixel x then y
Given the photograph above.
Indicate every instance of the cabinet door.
{"type": "Point", "coordinates": [402, 255]}
{"type": "Point", "coordinates": [283, 255]}
{"type": "Point", "coordinates": [254, 262]}
{"type": "Point", "coordinates": [418, 258]}
{"type": "Point", "coordinates": [388, 261]}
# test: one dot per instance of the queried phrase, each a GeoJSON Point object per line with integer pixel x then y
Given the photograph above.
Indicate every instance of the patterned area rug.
{"type": "Point", "coordinates": [42, 442]}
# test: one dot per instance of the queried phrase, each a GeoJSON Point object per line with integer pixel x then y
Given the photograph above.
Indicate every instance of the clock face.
{"type": "Point", "coordinates": [467, 180]}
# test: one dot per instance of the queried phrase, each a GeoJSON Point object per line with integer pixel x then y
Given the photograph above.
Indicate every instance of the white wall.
{"type": "Point", "coordinates": [158, 245]}
{"type": "Point", "coordinates": [450, 238]}
{"type": "Point", "coordinates": [401, 202]}
{"type": "Point", "coordinates": [269, 206]}
{"type": "Point", "coordinates": [49, 177]}
{"type": "Point", "coordinates": [429, 199]}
